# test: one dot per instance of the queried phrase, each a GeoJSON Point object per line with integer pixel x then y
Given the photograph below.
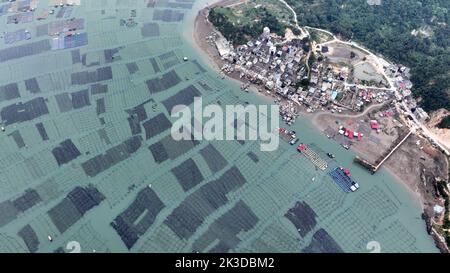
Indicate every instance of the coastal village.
{"type": "Point", "coordinates": [281, 69]}
{"type": "Point", "coordinates": [305, 77]}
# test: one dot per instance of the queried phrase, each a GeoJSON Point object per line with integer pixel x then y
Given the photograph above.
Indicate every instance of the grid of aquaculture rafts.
{"type": "Point", "coordinates": [168, 187]}
{"type": "Point", "coordinates": [62, 216]}
{"type": "Point", "coordinates": [193, 211]}
{"type": "Point", "coordinates": [9, 244]}
{"type": "Point", "coordinates": [341, 179]}
{"type": "Point", "coordinates": [183, 4]}
{"type": "Point", "coordinates": [375, 206]}
{"type": "Point", "coordinates": [129, 224]}
{"type": "Point", "coordinates": [150, 30]}
{"type": "Point", "coordinates": [90, 240]}
{"type": "Point", "coordinates": [322, 242]}
{"type": "Point", "coordinates": [216, 171]}
{"type": "Point", "coordinates": [225, 233]}
{"type": "Point", "coordinates": [19, 18]}
{"type": "Point", "coordinates": [276, 237]}
{"type": "Point", "coordinates": [64, 12]}
{"type": "Point", "coordinates": [209, 84]}
{"type": "Point", "coordinates": [396, 239]}
{"type": "Point", "coordinates": [154, 65]}
{"type": "Point", "coordinates": [168, 15]}
{"type": "Point", "coordinates": [251, 170]}
{"type": "Point", "coordinates": [171, 41]}
{"type": "Point", "coordinates": [190, 70]}
{"type": "Point", "coordinates": [16, 36]}
{"type": "Point", "coordinates": [169, 59]}
{"type": "Point", "coordinates": [290, 184]}
{"type": "Point", "coordinates": [349, 231]}
{"type": "Point", "coordinates": [13, 179]}
{"type": "Point", "coordinates": [325, 199]}
{"type": "Point", "coordinates": [29, 49]}
{"type": "Point", "coordinates": [79, 201]}
{"type": "Point", "coordinates": [168, 29]}
{"type": "Point", "coordinates": [163, 82]}
{"type": "Point", "coordinates": [190, 173]}
{"type": "Point", "coordinates": [303, 217]}
{"type": "Point", "coordinates": [129, 175]}
{"type": "Point", "coordinates": [363, 220]}
{"type": "Point", "coordinates": [184, 97]}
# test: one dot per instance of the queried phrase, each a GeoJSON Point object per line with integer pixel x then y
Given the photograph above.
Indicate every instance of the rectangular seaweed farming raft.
{"type": "Point", "coordinates": [312, 156]}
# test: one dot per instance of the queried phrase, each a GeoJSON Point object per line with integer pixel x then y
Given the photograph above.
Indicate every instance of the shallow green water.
{"type": "Point", "coordinates": [382, 210]}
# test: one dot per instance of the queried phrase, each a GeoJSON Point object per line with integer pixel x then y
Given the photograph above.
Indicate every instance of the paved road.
{"type": "Point", "coordinates": [367, 110]}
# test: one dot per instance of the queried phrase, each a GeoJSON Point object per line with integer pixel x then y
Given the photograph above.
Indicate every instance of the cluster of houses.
{"type": "Point", "coordinates": [282, 69]}
{"type": "Point", "coordinates": [403, 84]}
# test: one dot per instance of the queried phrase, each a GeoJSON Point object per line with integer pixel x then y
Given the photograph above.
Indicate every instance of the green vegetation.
{"type": "Point", "coordinates": [240, 33]}
{"type": "Point", "coordinates": [441, 185]}
{"type": "Point", "coordinates": [387, 29]}
{"type": "Point", "coordinates": [303, 83]}
{"type": "Point", "coordinates": [339, 96]}
{"type": "Point", "coordinates": [241, 23]}
{"type": "Point", "coordinates": [445, 123]}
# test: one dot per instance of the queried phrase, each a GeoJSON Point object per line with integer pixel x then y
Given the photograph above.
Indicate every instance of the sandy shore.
{"type": "Point", "coordinates": [409, 164]}
{"type": "Point", "coordinates": [413, 166]}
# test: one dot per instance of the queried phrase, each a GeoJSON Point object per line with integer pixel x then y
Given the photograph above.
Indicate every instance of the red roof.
{"type": "Point", "coordinates": [359, 136]}
{"type": "Point", "coordinates": [350, 134]}
{"type": "Point", "coordinates": [347, 172]}
{"type": "Point", "coordinates": [374, 124]}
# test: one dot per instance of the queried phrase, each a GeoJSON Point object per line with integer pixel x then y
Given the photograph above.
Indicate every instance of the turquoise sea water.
{"type": "Point", "coordinates": [127, 187]}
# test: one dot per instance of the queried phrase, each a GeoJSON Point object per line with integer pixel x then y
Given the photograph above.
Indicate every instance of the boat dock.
{"type": "Point", "coordinates": [343, 180]}
{"type": "Point", "coordinates": [288, 136]}
{"type": "Point", "coordinates": [374, 167]}
{"type": "Point", "coordinates": [313, 156]}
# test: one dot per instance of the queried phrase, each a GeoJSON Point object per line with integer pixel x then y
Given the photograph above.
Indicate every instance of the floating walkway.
{"type": "Point", "coordinates": [313, 156]}
{"type": "Point", "coordinates": [342, 178]}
